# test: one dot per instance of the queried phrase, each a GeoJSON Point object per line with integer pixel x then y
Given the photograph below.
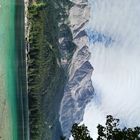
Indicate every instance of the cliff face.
{"type": "Point", "coordinates": [78, 89]}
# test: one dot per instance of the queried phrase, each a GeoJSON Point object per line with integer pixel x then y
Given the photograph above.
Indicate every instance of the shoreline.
{"type": "Point", "coordinates": [22, 96]}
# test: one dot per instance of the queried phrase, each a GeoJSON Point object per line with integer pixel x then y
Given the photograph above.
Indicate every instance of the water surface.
{"type": "Point", "coordinates": [8, 113]}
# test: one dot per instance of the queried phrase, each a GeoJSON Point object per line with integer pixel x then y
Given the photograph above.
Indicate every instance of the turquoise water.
{"type": "Point", "coordinates": [8, 60]}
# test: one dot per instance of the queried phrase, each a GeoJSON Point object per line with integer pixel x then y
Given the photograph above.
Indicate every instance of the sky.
{"type": "Point", "coordinates": [114, 43]}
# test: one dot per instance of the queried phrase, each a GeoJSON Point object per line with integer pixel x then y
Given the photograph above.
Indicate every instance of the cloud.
{"type": "Point", "coordinates": [116, 75]}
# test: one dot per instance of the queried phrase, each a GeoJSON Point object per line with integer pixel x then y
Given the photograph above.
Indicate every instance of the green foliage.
{"type": "Point", "coordinates": [62, 138]}
{"type": "Point", "coordinates": [112, 132]}
{"type": "Point", "coordinates": [44, 73]}
{"type": "Point", "coordinates": [42, 66]}
{"type": "Point", "coordinates": [35, 59]}
{"type": "Point", "coordinates": [80, 132]}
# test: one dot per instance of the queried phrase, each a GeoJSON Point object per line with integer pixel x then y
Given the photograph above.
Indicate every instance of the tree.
{"type": "Point", "coordinates": [80, 132]}
{"type": "Point", "coordinates": [62, 138]}
{"type": "Point", "coordinates": [111, 131]}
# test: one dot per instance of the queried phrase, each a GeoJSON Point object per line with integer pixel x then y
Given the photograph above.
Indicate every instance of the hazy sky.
{"type": "Point", "coordinates": [115, 56]}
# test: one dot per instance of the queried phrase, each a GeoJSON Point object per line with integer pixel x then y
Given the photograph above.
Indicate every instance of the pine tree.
{"type": "Point", "coordinates": [80, 132]}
